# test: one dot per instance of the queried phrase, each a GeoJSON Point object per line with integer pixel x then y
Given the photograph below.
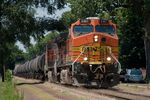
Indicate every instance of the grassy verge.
{"type": "Point", "coordinates": [8, 90]}
{"type": "Point", "coordinates": [41, 94]}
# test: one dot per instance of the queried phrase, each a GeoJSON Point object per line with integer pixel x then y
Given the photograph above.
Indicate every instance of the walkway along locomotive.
{"type": "Point", "coordinates": [86, 55]}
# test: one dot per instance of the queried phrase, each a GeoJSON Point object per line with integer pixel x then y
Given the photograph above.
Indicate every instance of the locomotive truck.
{"type": "Point", "coordinates": [87, 55]}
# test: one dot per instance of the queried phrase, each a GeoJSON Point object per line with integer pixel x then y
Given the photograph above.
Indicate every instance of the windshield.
{"type": "Point", "coordinates": [106, 29]}
{"type": "Point", "coordinates": [136, 72]}
{"type": "Point", "coordinates": [80, 30]}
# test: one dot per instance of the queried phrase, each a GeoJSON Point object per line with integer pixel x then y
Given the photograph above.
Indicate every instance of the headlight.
{"type": "Point", "coordinates": [108, 59]}
{"type": "Point", "coordinates": [85, 58]}
{"type": "Point", "coordinates": [96, 38]}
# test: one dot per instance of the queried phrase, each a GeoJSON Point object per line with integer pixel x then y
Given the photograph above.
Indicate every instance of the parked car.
{"type": "Point", "coordinates": [133, 75]}
{"type": "Point", "coordinates": [122, 75]}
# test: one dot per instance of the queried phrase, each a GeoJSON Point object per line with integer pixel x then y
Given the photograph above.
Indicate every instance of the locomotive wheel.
{"type": "Point", "coordinates": [51, 77]}
{"type": "Point", "coordinates": [112, 79]}
{"type": "Point", "coordinates": [65, 77]}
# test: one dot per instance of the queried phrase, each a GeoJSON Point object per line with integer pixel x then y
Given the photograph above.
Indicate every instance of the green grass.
{"type": "Point", "coordinates": [135, 86]}
{"type": "Point", "coordinates": [64, 92]}
{"type": "Point", "coordinates": [148, 87]}
{"type": "Point", "coordinates": [41, 93]}
{"type": "Point", "coordinates": [8, 90]}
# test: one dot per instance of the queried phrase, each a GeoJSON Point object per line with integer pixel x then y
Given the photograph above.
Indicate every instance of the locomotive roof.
{"type": "Point", "coordinates": [92, 21]}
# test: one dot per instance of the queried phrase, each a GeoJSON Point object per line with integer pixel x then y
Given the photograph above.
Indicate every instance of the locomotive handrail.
{"type": "Point", "coordinates": [115, 59]}
{"type": "Point", "coordinates": [99, 67]}
{"type": "Point", "coordinates": [82, 51]}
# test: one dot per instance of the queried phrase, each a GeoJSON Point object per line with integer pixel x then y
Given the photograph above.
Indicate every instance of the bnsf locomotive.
{"type": "Point", "coordinates": [86, 55]}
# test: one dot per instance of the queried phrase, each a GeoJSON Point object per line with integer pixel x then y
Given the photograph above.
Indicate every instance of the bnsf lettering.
{"type": "Point", "coordinates": [90, 49]}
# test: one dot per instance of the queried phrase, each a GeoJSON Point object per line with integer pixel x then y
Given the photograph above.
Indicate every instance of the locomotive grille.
{"type": "Point", "coordinates": [96, 53]}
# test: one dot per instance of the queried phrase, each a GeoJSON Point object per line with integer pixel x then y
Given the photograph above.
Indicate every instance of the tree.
{"type": "Point", "coordinates": [92, 8]}
{"type": "Point", "coordinates": [17, 22]}
{"type": "Point", "coordinates": [131, 40]}
{"type": "Point", "coordinates": [40, 47]}
{"type": "Point", "coordinates": [147, 36]}
{"type": "Point", "coordinates": [141, 8]}
{"type": "Point", "coordinates": [16, 56]}
{"type": "Point", "coordinates": [68, 18]}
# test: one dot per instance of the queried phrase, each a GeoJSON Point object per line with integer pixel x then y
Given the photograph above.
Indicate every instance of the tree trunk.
{"type": "Point", "coordinates": [3, 71]}
{"type": "Point", "coordinates": [147, 45]}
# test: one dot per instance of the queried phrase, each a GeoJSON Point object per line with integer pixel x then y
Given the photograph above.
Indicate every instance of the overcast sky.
{"type": "Point", "coordinates": [41, 12]}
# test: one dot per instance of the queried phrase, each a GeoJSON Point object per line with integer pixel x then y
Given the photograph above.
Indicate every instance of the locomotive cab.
{"type": "Point", "coordinates": [88, 26]}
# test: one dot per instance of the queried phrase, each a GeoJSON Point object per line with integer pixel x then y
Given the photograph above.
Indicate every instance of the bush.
{"type": "Point", "coordinates": [8, 89]}
{"type": "Point", "coordinates": [8, 75]}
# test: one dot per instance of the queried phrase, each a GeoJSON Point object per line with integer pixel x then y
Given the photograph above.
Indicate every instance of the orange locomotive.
{"type": "Point", "coordinates": [87, 55]}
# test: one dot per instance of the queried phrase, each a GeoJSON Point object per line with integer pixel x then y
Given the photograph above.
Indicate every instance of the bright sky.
{"type": "Point", "coordinates": [41, 12]}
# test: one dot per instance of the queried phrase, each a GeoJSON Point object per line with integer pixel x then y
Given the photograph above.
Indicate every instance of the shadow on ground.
{"type": "Point", "coordinates": [25, 83]}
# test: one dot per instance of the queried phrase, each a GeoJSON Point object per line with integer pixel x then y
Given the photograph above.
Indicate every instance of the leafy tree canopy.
{"type": "Point", "coordinates": [68, 18]}
{"type": "Point", "coordinates": [17, 23]}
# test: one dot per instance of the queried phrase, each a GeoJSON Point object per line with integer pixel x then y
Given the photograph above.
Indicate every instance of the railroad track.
{"type": "Point", "coordinates": [120, 92]}
{"type": "Point", "coordinates": [142, 85]}
{"type": "Point", "coordinates": [122, 95]}
{"type": "Point", "coordinates": [62, 92]}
